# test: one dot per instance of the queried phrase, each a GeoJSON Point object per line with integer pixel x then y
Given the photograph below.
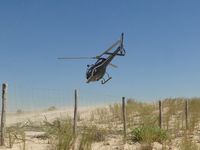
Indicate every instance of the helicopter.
{"type": "Point", "coordinates": [97, 71]}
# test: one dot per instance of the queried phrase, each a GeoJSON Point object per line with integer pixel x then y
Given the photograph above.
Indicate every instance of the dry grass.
{"type": "Point", "coordinates": [142, 122]}
{"type": "Point", "coordinates": [89, 135]}
{"type": "Point", "coordinates": [187, 143]}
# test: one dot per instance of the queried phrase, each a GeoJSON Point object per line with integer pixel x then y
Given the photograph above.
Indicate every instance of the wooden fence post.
{"type": "Point", "coordinates": [160, 114]}
{"type": "Point", "coordinates": [3, 113]}
{"type": "Point", "coordinates": [186, 114]}
{"type": "Point", "coordinates": [124, 117]}
{"type": "Point", "coordinates": [75, 112]}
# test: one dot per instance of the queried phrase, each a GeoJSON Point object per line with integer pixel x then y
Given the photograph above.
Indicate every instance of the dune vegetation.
{"type": "Point", "coordinates": [102, 128]}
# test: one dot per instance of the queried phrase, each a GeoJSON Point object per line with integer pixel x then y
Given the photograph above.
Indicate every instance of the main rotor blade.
{"type": "Point", "coordinates": [110, 48]}
{"type": "Point", "coordinates": [77, 58]}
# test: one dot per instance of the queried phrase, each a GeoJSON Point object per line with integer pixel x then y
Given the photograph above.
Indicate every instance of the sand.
{"type": "Point", "coordinates": [33, 143]}
{"type": "Point", "coordinates": [112, 142]}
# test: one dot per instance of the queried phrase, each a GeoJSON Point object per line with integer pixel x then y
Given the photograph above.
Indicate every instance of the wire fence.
{"type": "Point", "coordinates": [26, 100]}
{"type": "Point", "coordinates": [29, 99]}
{"type": "Point", "coordinates": [110, 111]}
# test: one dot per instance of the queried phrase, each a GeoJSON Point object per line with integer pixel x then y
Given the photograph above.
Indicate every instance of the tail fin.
{"type": "Point", "coordinates": [122, 51]}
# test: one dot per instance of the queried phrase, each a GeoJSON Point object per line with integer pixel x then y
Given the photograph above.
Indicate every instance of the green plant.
{"type": "Point", "coordinates": [187, 143]}
{"type": "Point", "coordinates": [11, 139]}
{"type": "Point", "coordinates": [19, 111]}
{"type": "Point", "coordinates": [194, 113]}
{"type": "Point", "coordinates": [60, 133]}
{"type": "Point", "coordinates": [102, 114]}
{"type": "Point", "coordinates": [89, 135]}
{"type": "Point", "coordinates": [148, 134]}
{"type": "Point", "coordinates": [16, 132]}
{"type": "Point", "coordinates": [51, 108]}
{"type": "Point", "coordinates": [115, 110]}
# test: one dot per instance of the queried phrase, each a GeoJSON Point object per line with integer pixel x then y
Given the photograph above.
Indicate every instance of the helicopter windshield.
{"type": "Point", "coordinates": [89, 70]}
{"type": "Point", "coordinates": [91, 67]}
{"type": "Point", "coordinates": [100, 60]}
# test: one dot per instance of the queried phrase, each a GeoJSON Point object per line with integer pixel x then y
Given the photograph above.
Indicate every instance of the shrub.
{"type": "Point", "coordinates": [16, 132]}
{"type": "Point", "coordinates": [148, 134]}
{"type": "Point", "coordinates": [52, 108]}
{"type": "Point", "coordinates": [91, 134]}
{"type": "Point", "coordinates": [188, 144]}
{"type": "Point", "coordinates": [60, 133]}
{"type": "Point", "coordinates": [19, 111]}
{"type": "Point", "coordinates": [115, 110]}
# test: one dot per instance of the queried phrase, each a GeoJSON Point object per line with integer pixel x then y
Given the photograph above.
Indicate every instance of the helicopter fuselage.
{"type": "Point", "coordinates": [96, 71]}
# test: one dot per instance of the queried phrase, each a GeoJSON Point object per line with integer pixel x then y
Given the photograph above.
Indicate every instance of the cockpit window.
{"type": "Point", "coordinates": [100, 60]}
{"type": "Point", "coordinates": [89, 71]}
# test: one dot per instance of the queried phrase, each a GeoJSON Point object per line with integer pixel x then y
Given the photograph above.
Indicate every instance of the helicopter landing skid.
{"type": "Point", "coordinates": [103, 81]}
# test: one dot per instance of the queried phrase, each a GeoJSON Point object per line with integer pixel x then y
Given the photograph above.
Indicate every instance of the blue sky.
{"type": "Point", "coordinates": [162, 39]}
